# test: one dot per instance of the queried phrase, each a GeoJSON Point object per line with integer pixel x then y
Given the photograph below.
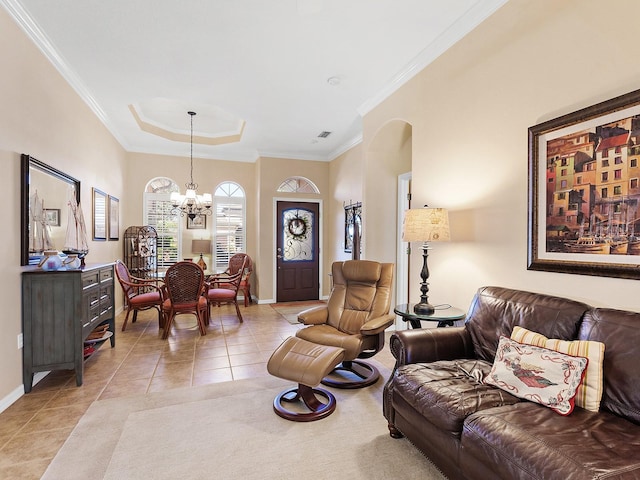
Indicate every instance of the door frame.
{"type": "Point", "coordinates": [274, 240]}
{"type": "Point", "coordinates": [402, 259]}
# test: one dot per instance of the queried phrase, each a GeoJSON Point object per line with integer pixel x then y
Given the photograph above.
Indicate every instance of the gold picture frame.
{"type": "Point", "coordinates": [584, 191]}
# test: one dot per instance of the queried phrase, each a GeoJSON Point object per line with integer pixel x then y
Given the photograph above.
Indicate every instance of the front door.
{"type": "Point", "coordinates": [297, 251]}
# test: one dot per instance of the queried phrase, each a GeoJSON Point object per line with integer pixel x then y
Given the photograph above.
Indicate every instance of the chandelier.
{"type": "Point", "coordinates": [191, 204]}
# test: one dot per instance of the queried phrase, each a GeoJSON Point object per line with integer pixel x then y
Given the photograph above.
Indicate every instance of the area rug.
{"type": "Point", "coordinates": [229, 431]}
{"type": "Point", "coordinates": [290, 310]}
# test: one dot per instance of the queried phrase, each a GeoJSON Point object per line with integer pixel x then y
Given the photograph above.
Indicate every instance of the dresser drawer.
{"type": "Point", "coordinates": [106, 275]}
{"type": "Point", "coordinates": [91, 307]}
{"type": "Point", "coordinates": [90, 279]}
{"type": "Point", "coordinates": [106, 300]}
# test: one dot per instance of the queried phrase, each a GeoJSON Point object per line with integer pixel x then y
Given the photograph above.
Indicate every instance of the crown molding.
{"type": "Point", "coordinates": [292, 156]}
{"type": "Point", "coordinates": [38, 37]}
{"type": "Point", "coordinates": [345, 147]}
{"type": "Point", "coordinates": [465, 24]}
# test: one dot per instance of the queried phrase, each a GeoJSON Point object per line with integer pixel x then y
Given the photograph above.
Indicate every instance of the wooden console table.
{"type": "Point", "coordinates": [59, 310]}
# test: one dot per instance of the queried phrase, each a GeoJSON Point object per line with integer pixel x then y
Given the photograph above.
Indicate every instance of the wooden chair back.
{"type": "Point", "coordinates": [184, 282]}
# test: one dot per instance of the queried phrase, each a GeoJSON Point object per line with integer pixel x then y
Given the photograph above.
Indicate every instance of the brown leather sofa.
{"type": "Point", "coordinates": [472, 430]}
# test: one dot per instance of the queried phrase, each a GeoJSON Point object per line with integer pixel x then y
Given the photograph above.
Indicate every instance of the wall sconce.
{"type": "Point", "coordinates": [425, 225]}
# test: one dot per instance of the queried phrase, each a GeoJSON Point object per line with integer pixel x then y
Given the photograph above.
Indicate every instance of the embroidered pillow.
{"type": "Point", "coordinates": [590, 390]}
{"type": "Point", "coordinates": [537, 374]}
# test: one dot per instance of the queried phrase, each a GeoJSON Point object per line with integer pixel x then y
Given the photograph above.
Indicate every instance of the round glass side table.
{"type": "Point", "coordinates": [445, 315]}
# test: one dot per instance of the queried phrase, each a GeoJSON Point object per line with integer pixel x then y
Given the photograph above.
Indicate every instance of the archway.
{"type": "Point", "coordinates": [388, 161]}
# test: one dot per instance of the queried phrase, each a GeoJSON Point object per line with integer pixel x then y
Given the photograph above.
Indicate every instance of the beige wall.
{"type": "Point", "coordinates": [208, 174]}
{"type": "Point", "coordinates": [42, 116]}
{"type": "Point", "coordinates": [387, 155]}
{"type": "Point", "coordinates": [346, 175]}
{"type": "Point", "coordinates": [470, 110]}
{"type": "Point", "coordinates": [271, 172]}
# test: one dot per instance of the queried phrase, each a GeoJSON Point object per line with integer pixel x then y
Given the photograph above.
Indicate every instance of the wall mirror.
{"type": "Point", "coordinates": [44, 193]}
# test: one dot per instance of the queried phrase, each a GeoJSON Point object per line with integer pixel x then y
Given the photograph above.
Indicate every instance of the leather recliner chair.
{"type": "Point", "coordinates": [355, 318]}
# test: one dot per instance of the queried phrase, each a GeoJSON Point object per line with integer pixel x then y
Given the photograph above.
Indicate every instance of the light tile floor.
{"type": "Point", "coordinates": [33, 429]}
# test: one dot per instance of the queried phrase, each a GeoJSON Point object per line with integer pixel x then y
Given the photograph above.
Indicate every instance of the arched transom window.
{"type": "Point", "coordinates": [298, 185]}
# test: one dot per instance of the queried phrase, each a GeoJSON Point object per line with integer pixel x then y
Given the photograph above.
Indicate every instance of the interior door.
{"type": "Point", "coordinates": [297, 251]}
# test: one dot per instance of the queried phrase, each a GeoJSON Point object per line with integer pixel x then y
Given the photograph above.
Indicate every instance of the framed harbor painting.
{"type": "Point", "coordinates": [584, 191]}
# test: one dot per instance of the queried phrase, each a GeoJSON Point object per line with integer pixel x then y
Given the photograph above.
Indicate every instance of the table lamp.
{"type": "Point", "coordinates": [201, 246]}
{"type": "Point", "coordinates": [425, 225]}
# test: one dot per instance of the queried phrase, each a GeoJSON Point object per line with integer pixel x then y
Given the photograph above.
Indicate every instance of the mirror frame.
{"type": "Point", "coordinates": [26, 163]}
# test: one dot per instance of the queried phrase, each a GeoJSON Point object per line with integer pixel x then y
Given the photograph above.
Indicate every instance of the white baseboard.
{"type": "Point", "coordinates": [10, 399]}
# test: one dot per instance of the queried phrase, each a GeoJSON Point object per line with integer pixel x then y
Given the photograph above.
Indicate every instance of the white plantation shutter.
{"type": "Point", "coordinates": [157, 213]}
{"type": "Point", "coordinates": [229, 223]}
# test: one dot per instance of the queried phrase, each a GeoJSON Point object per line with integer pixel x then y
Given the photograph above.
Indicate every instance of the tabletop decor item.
{"type": "Point", "coordinates": [51, 261]}
{"type": "Point", "coordinates": [72, 262]}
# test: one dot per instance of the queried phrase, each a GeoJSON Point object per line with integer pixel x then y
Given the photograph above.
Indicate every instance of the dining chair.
{"type": "Point", "coordinates": [223, 289]}
{"type": "Point", "coordinates": [139, 293]}
{"type": "Point", "coordinates": [184, 285]}
{"type": "Point", "coordinates": [241, 262]}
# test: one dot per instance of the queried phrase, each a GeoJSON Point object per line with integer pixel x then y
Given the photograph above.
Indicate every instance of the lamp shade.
{"type": "Point", "coordinates": [201, 246]}
{"type": "Point", "coordinates": [426, 225]}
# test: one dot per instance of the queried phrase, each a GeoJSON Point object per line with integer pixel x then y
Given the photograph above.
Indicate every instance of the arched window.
{"type": "Point", "coordinates": [157, 213]}
{"type": "Point", "coordinates": [298, 185]}
{"type": "Point", "coordinates": [229, 223]}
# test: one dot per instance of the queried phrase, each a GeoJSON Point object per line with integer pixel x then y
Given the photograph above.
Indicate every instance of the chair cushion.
{"type": "Point", "coordinates": [221, 294]}
{"type": "Point", "coordinates": [494, 311]}
{"type": "Point", "coordinates": [327, 335]}
{"type": "Point", "coordinates": [535, 443]}
{"type": "Point", "coordinates": [200, 304]}
{"type": "Point", "coordinates": [303, 362]}
{"type": "Point", "coordinates": [149, 298]}
{"type": "Point", "coordinates": [590, 390]}
{"type": "Point", "coordinates": [446, 392]}
{"type": "Point", "coordinates": [619, 331]}
{"type": "Point", "coordinates": [362, 271]}
{"type": "Point", "coordinates": [361, 291]}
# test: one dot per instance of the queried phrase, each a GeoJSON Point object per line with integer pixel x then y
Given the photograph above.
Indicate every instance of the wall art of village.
{"type": "Point", "coordinates": [593, 190]}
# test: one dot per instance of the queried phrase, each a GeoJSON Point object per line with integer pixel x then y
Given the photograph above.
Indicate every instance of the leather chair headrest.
{"type": "Point", "coordinates": [362, 271]}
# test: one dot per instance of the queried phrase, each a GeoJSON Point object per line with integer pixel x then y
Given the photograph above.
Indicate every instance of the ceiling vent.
{"type": "Point", "coordinates": [324, 134]}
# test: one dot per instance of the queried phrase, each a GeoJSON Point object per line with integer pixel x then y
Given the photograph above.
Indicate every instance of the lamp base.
{"type": "Point", "coordinates": [423, 309]}
{"type": "Point", "coordinates": [202, 263]}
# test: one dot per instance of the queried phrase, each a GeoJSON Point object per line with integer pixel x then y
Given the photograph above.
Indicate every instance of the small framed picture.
{"type": "Point", "coordinates": [99, 215]}
{"type": "Point", "coordinates": [52, 216]}
{"type": "Point", "coordinates": [199, 222]}
{"type": "Point", "coordinates": [114, 218]}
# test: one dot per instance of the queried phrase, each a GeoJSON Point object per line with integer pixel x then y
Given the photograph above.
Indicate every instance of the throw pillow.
{"type": "Point", "coordinates": [537, 374]}
{"type": "Point", "coordinates": [590, 390]}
